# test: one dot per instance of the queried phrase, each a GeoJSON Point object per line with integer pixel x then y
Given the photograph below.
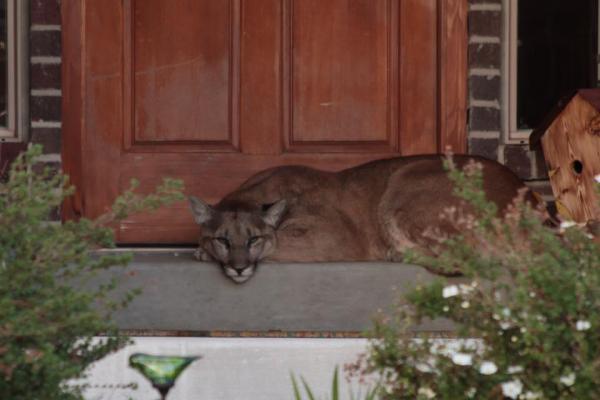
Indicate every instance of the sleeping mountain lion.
{"type": "Point", "coordinates": [374, 211]}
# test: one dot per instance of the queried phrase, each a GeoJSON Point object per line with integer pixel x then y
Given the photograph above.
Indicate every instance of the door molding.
{"type": "Point", "coordinates": [452, 75]}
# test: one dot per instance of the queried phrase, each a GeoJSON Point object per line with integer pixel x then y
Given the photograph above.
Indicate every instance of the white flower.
{"type": "Point", "coordinates": [487, 368]}
{"type": "Point", "coordinates": [531, 396]}
{"type": "Point", "coordinates": [423, 367]}
{"type": "Point", "coordinates": [465, 304]}
{"type": "Point", "coordinates": [512, 389]}
{"type": "Point", "coordinates": [514, 369]}
{"type": "Point", "coordinates": [450, 291]}
{"type": "Point", "coordinates": [462, 359]}
{"type": "Point", "coordinates": [504, 325]}
{"type": "Point", "coordinates": [514, 339]}
{"type": "Point", "coordinates": [391, 374]}
{"type": "Point", "coordinates": [465, 289]}
{"type": "Point", "coordinates": [471, 392]}
{"type": "Point", "coordinates": [597, 178]}
{"type": "Point", "coordinates": [506, 312]}
{"type": "Point", "coordinates": [568, 380]}
{"type": "Point", "coordinates": [446, 308]}
{"type": "Point", "coordinates": [567, 224]}
{"type": "Point", "coordinates": [583, 325]}
{"type": "Point", "coordinates": [428, 393]}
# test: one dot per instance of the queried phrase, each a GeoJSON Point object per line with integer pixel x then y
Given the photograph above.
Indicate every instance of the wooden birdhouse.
{"type": "Point", "coordinates": [570, 140]}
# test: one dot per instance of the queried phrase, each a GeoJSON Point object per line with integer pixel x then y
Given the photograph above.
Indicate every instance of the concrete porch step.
{"type": "Point", "coordinates": [186, 297]}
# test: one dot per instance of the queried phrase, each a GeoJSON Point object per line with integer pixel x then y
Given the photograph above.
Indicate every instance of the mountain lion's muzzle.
{"type": "Point", "coordinates": [239, 274]}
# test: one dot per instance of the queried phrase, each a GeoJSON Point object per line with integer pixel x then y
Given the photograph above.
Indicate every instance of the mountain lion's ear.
{"type": "Point", "coordinates": [274, 214]}
{"type": "Point", "coordinates": [202, 211]}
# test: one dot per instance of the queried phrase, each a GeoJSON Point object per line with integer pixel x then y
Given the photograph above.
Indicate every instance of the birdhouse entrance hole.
{"type": "Point", "coordinates": [577, 167]}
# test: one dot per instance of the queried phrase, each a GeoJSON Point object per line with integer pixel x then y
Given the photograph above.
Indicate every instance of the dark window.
{"type": "Point", "coordinates": [557, 53]}
{"type": "Point", "coordinates": [3, 63]}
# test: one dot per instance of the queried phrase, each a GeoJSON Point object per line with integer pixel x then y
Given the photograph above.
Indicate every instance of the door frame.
{"type": "Point", "coordinates": [77, 142]}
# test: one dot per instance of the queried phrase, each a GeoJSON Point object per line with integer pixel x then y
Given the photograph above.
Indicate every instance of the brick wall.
{"type": "Point", "coordinates": [45, 77]}
{"type": "Point", "coordinates": [485, 97]}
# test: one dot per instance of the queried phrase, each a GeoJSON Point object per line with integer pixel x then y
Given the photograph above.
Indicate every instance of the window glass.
{"type": "Point", "coordinates": [556, 54]}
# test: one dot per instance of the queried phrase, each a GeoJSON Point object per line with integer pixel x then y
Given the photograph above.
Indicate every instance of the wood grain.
{"type": "Point", "coordinates": [418, 76]}
{"type": "Point", "coordinates": [339, 86]}
{"type": "Point", "coordinates": [72, 100]}
{"type": "Point", "coordinates": [102, 105]}
{"type": "Point", "coordinates": [452, 80]}
{"type": "Point", "coordinates": [261, 77]}
{"type": "Point", "coordinates": [572, 152]}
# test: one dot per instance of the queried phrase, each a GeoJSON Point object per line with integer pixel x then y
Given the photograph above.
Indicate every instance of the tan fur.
{"type": "Point", "coordinates": [374, 211]}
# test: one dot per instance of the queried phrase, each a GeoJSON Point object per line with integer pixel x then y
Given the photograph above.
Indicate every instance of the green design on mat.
{"type": "Point", "coordinates": [160, 370]}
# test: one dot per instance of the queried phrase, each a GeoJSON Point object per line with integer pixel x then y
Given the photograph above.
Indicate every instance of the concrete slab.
{"type": "Point", "coordinates": [181, 294]}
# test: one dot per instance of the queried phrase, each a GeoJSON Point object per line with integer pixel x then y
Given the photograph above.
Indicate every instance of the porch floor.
{"type": "Point", "coordinates": [181, 296]}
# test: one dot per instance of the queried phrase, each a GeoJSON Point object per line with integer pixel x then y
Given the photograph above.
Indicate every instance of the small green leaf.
{"type": "Point", "coordinates": [309, 392]}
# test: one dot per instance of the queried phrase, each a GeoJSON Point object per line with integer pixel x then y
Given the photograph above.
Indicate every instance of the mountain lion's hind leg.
{"type": "Point", "coordinates": [393, 255]}
{"type": "Point", "coordinates": [397, 238]}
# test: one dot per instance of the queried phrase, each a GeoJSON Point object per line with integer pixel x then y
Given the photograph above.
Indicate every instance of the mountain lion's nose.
{"type": "Point", "coordinates": [239, 268]}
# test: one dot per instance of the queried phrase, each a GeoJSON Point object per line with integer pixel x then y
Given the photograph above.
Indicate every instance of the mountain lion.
{"type": "Point", "coordinates": [374, 211]}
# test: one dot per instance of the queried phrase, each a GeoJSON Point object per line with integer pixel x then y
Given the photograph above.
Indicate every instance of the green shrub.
{"type": "Point", "coordinates": [527, 315]}
{"type": "Point", "coordinates": [47, 327]}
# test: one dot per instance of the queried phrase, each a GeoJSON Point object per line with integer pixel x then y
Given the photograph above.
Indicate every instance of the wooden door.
{"type": "Point", "coordinates": [212, 91]}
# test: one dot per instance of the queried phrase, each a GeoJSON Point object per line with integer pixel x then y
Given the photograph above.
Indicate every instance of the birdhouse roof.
{"type": "Point", "coordinates": [592, 96]}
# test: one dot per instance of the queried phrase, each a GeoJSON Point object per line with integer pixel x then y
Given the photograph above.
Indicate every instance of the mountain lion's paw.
{"type": "Point", "coordinates": [201, 255]}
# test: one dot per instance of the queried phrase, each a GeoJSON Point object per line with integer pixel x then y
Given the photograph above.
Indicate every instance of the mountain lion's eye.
{"type": "Point", "coordinates": [223, 240]}
{"type": "Point", "coordinates": [253, 240]}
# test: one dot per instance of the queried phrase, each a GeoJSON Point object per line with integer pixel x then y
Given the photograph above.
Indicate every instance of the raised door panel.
{"type": "Point", "coordinates": [419, 65]}
{"type": "Point", "coordinates": [341, 60]}
{"type": "Point", "coordinates": [182, 68]}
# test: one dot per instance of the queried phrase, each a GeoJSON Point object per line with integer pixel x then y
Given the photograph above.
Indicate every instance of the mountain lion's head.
{"type": "Point", "coordinates": [239, 236]}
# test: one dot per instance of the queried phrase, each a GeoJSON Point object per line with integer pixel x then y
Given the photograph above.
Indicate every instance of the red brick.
{"type": "Point", "coordinates": [45, 76]}
{"type": "Point", "coordinates": [485, 23]}
{"type": "Point", "coordinates": [49, 138]}
{"type": "Point", "coordinates": [45, 43]}
{"type": "Point", "coordinates": [45, 108]}
{"type": "Point", "coordinates": [487, 148]}
{"type": "Point", "coordinates": [484, 119]}
{"type": "Point", "coordinates": [517, 158]}
{"type": "Point", "coordinates": [45, 12]}
{"type": "Point", "coordinates": [485, 88]}
{"type": "Point", "coordinates": [485, 55]}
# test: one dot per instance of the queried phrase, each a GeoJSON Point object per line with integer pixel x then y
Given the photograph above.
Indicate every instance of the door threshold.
{"type": "Point", "coordinates": [152, 250]}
